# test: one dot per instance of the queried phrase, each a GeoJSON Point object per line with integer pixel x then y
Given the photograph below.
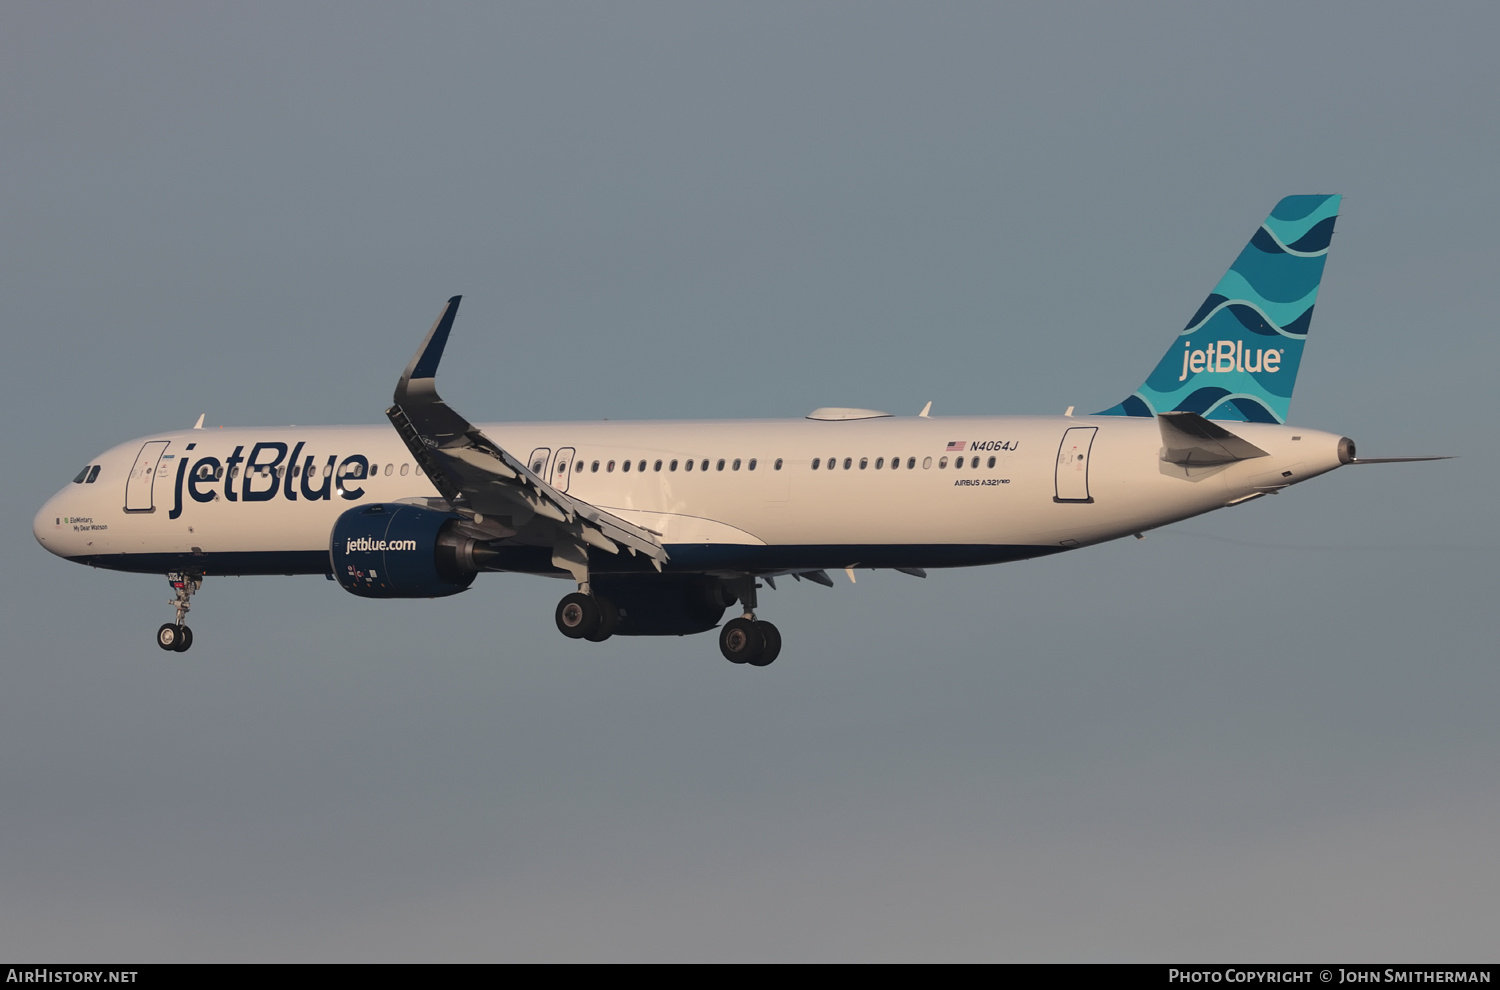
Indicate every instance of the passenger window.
{"type": "Point", "coordinates": [911, 463]}
{"type": "Point", "coordinates": [625, 466]}
{"type": "Point", "coordinates": [688, 466]}
{"type": "Point", "coordinates": [704, 465]}
{"type": "Point", "coordinates": [992, 460]}
{"type": "Point", "coordinates": [816, 462]}
{"type": "Point", "coordinates": [942, 462]}
{"type": "Point", "coordinates": [879, 463]}
{"type": "Point", "coordinates": [594, 467]}
{"type": "Point", "coordinates": [672, 466]}
{"type": "Point", "coordinates": [778, 464]}
{"type": "Point", "coordinates": [609, 467]}
{"type": "Point", "coordinates": [751, 465]}
{"type": "Point", "coordinates": [656, 466]}
{"type": "Point", "coordinates": [418, 468]}
{"type": "Point", "coordinates": [864, 462]}
{"type": "Point", "coordinates": [736, 464]}
{"type": "Point", "coordinates": [404, 468]}
{"type": "Point", "coordinates": [833, 462]}
{"type": "Point", "coordinates": [720, 465]}
{"type": "Point", "coordinates": [642, 466]}
{"type": "Point", "coordinates": [958, 463]}
{"type": "Point", "coordinates": [389, 468]}
{"type": "Point", "coordinates": [577, 467]}
{"type": "Point", "coordinates": [847, 462]}
{"type": "Point", "coordinates": [926, 463]}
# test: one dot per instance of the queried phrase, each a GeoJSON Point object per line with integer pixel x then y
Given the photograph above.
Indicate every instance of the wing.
{"type": "Point", "coordinates": [475, 473]}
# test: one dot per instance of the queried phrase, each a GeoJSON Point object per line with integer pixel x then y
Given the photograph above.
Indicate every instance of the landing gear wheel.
{"type": "Point", "coordinates": [772, 649]}
{"type": "Point", "coordinates": [578, 616]}
{"type": "Point", "coordinates": [609, 620]}
{"type": "Point", "coordinates": [169, 637]}
{"type": "Point", "coordinates": [741, 641]}
{"type": "Point", "coordinates": [176, 636]}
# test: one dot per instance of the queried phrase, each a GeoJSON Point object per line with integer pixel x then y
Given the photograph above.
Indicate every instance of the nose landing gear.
{"type": "Point", "coordinates": [175, 636]}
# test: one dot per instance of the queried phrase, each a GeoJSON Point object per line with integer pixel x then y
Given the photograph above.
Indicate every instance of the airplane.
{"type": "Point", "coordinates": [663, 526]}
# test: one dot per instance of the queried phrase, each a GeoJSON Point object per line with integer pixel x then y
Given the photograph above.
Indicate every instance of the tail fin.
{"type": "Point", "coordinates": [1238, 356]}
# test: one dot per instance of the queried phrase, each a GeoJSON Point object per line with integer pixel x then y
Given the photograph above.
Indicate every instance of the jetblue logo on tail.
{"type": "Point", "coordinates": [1249, 333]}
{"type": "Point", "coordinates": [1226, 356]}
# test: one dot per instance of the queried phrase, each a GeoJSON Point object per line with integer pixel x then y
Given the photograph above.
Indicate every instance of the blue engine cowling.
{"type": "Point", "coordinates": [392, 550]}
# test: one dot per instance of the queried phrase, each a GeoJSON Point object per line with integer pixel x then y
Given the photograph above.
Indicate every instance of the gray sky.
{"type": "Point", "coordinates": [1265, 734]}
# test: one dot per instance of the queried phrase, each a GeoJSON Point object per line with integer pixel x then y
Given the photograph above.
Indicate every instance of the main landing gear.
{"type": "Point", "coordinates": [175, 636]}
{"type": "Point", "coordinates": [753, 641]}
{"type": "Point", "coordinates": [585, 616]}
{"type": "Point", "coordinates": [748, 639]}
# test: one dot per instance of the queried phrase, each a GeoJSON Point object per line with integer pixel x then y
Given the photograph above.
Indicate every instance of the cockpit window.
{"type": "Point", "coordinates": [93, 474]}
{"type": "Point", "coordinates": [82, 474]}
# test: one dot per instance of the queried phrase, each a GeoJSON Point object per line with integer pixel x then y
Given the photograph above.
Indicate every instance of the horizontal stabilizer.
{"type": "Point", "coordinates": [1187, 438]}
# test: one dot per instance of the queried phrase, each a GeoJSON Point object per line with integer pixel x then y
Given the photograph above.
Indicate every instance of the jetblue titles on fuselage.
{"type": "Point", "coordinates": [269, 473]}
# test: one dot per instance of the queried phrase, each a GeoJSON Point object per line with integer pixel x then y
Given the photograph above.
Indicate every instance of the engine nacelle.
{"type": "Point", "coordinates": [393, 550]}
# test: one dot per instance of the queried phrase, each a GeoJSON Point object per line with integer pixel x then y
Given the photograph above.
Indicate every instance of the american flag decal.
{"type": "Point", "coordinates": [956, 445]}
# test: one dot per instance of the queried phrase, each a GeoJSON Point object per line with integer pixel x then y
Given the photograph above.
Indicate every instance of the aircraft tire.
{"type": "Point", "coordinates": [167, 636]}
{"type": "Point", "coordinates": [578, 616]}
{"type": "Point", "coordinates": [609, 620]}
{"type": "Point", "coordinates": [772, 649]}
{"type": "Point", "coordinates": [184, 639]}
{"type": "Point", "coordinates": [741, 641]}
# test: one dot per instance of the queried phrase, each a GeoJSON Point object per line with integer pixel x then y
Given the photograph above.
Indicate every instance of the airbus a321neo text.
{"type": "Point", "coordinates": [663, 526]}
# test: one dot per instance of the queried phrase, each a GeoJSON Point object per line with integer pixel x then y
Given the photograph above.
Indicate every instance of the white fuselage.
{"type": "Point", "coordinates": [196, 498]}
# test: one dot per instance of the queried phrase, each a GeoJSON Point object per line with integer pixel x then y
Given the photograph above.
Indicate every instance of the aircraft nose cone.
{"type": "Point", "coordinates": [47, 526]}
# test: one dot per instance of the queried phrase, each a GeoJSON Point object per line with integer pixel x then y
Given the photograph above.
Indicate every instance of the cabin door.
{"type": "Point", "coordinates": [538, 461]}
{"type": "Point", "coordinates": [1073, 464]}
{"type": "Point", "coordinates": [143, 476]}
{"type": "Point", "coordinates": [562, 469]}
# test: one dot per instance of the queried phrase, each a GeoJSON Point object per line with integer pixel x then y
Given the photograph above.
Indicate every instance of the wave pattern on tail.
{"type": "Point", "coordinates": [1237, 358]}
